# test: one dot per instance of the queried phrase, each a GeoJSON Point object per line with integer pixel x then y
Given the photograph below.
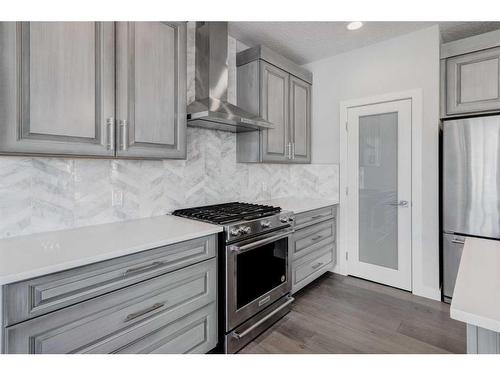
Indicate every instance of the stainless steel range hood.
{"type": "Point", "coordinates": [210, 108]}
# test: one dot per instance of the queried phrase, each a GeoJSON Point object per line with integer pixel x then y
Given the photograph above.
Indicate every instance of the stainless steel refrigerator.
{"type": "Point", "coordinates": [471, 188]}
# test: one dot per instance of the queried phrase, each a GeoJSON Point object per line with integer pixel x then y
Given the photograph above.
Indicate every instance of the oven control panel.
{"type": "Point", "coordinates": [255, 227]}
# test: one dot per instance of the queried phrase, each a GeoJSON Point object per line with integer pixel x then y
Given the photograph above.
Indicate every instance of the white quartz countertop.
{"type": "Point", "coordinates": [476, 298]}
{"type": "Point", "coordinates": [34, 255]}
{"type": "Point", "coordinates": [299, 204]}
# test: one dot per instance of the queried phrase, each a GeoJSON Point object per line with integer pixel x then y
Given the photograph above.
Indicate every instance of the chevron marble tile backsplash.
{"type": "Point", "coordinates": [43, 194]}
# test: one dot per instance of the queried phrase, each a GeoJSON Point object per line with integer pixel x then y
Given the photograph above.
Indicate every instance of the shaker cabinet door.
{"type": "Point", "coordinates": [57, 87]}
{"type": "Point", "coordinates": [151, 89]}
{"type": "Point", "coordinates": [274, 108]}
{"type": "Point", "coordinates": [300, 120]}
{"type": "Point", "coordinates": [473, 82]}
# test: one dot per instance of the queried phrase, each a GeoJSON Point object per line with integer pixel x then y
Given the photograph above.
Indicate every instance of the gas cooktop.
{"type": "Point", "coordinates": [227, 212]}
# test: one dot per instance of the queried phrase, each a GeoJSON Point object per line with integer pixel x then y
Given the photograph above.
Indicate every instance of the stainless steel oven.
{"type": "Point", "coordinates": [257, 274]}
{"type": "Point", "coordinates": [254, 268]}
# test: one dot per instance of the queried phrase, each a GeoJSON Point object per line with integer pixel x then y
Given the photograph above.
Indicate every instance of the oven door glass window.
{"type": "Point", "coordinates": [260, 270]}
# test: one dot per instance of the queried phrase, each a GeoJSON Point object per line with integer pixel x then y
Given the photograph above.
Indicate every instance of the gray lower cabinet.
{"type": "Point", "coordinates": [279, 91]}
{"type": "Point", "coordinates": [473, 82]}
{"type": "Point", "coordinates": [41, 295]}
{"type": "Point", "coordinates": [100, 89]}
{"type": "Point", "coordinates": [314, 246]}
{"type": "Point", "coordinates": [165, 303]}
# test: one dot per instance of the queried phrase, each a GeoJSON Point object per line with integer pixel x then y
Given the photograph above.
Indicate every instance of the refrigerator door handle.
{"type": "Point", "coordinates": [458, 240]}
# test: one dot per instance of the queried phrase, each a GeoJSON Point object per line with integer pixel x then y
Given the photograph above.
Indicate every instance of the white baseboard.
{"type": "Point", "coordinates": [428, 292]}
{"type": "Point", "coordinates": [425, 292]}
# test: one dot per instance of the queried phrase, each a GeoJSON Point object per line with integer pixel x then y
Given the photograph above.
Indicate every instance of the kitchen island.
{"type": "Point", "coordinates": [476, 298]}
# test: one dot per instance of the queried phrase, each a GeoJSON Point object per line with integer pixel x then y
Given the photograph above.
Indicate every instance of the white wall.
{"type": "Point", "coordinates": [407, 62]}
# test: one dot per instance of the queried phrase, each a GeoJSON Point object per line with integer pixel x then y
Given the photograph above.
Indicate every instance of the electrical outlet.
{"type": "Point", "coordinates": [117, 198]}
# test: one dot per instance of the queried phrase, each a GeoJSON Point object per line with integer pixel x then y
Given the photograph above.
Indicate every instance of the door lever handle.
{"type": "Point", "coordinates": [400, 204]}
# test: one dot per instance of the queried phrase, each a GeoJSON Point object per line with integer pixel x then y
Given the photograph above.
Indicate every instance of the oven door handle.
{"type": "Point", "coordinates": [264, 241]}
{"type": "Point", "coordinates": [240, 335]}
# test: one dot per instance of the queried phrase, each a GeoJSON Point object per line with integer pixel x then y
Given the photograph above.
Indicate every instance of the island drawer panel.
{"type": "Point", "coordinates": [304, 219]}
{"type": "Point", "coordinates": [35, 297]}
{"type": "Point", "coordinates": [154, 311]}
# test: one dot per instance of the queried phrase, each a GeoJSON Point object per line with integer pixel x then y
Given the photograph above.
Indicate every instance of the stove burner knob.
{"type": "Point", "coordinates": [245, 230]}
{"type": "Point", "coordinates": [235, 232]}
{"type": "Point", "coordinates": [284, 219]}
{"type": "Point", "coordinates": [265, 224]}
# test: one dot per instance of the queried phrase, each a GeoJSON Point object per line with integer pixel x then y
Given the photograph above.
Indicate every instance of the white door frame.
{"type": "Point", "coordinates": [415, 95]}
{"type": "Point", "coordinates": [399, 277]}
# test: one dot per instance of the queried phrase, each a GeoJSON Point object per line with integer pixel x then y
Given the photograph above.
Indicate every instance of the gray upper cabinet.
{"type": "Point", "coordinates": [300, 120]}
{"type": "Point", "coordinates": [473, 82]}
{"type": "Point", "coordinates": [57, 87]}
{"type": "Point", "coordinates": [278, 90]}
{"type": "Point", "coordinates": [274, 105]}
{"type": "Point", "coordinates": [151, 89]}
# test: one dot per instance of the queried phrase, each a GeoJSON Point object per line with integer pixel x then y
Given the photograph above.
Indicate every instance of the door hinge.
{"type": "Point", "coordinates": [347, 190]}
{"type": "Point", "coordinates": [346, 255]}
{"type": "Point", "coordinates": [346, 127]}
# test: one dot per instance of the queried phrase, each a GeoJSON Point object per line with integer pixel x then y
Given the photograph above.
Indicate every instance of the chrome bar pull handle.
{"type": "Point", "coordinates": [110, 133]}
{"type": "Point", "coordinates": [293, 150]}
{"type": "Point", "coordinates": [144, 268]}
{"type": "Point", "coordinates": [264, 241]}
{"type": "Point", "coordinates": [316, 266]}
{"type": "Point", "coordinates": [124, 133]}
{"type": "Point", "coordinates": [156, 306]}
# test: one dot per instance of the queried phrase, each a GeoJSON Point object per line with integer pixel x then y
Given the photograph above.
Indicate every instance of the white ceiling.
{"type": "Point", "coordinates": [304, 42]}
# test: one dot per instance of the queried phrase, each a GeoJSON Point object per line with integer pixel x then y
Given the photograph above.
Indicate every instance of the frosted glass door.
{"type": "Point", "coordinates": [379, 153]}
{"type": "Point", "coordinates": [378, 189]}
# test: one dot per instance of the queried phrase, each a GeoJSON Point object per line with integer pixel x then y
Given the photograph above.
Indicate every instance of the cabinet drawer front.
{"type": "Point", "coordinates": [195, 333]}
{"type": "Point", "coordinates": [108, 323]}
{"type": "Point", "coordinates": [313, 237]}
{"type": "Point", "coordinates": [31, 298]}
{"type": "Point", "coordinates": [315, 216]}
{"type": "Point", "coordinates": [319, 260]}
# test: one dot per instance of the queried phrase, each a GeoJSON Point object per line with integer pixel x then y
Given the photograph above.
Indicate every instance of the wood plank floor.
{"type": "Point", "coordinates": [338, 314]}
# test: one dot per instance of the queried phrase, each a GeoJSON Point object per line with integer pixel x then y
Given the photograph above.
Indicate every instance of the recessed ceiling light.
{"type": "Point", "coordinates": [354, 25]}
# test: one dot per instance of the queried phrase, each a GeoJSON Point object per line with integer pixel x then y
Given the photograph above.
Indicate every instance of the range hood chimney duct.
{"type": "Point", "coordinates": [210, 108]}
